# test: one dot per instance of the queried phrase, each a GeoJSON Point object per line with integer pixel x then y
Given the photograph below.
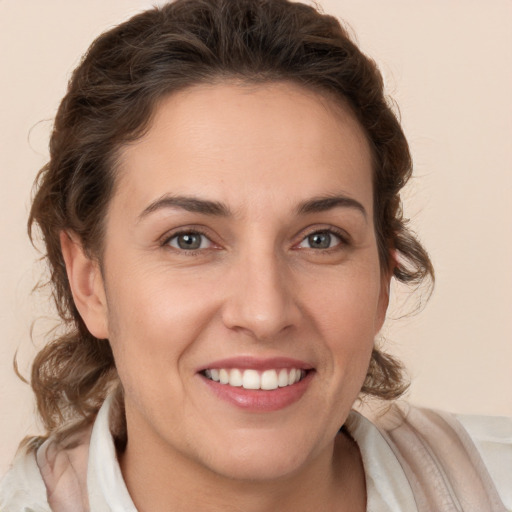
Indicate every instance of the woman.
{"type": "Point", "coordinates": [222, 220]}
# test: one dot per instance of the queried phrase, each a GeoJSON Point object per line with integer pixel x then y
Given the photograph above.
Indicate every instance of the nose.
{"type": "Point", "coordinates": [261, 301]}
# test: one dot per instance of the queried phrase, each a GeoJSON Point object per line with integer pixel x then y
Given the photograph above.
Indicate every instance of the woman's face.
{"type": "Point", "coordinates": [240, 246]}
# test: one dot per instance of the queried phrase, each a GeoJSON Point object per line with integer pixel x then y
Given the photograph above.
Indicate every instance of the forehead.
{"type": "Point", "coordinates": [239, 143]}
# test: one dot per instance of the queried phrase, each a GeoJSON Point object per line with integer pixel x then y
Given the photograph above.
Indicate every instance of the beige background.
{"type": "Point", "coordinates": [448, 65]}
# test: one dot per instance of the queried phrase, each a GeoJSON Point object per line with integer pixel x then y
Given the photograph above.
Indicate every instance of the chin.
{"type": "Point", "coordinates": [261, 459]}
{"type": "Point", "coordinates": [262, 469]}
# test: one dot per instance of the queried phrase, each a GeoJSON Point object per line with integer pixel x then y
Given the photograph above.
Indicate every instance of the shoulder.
{"type": "Point", "coordinates": [22, 489]}
{"type": "Point", "coordinates": [79, 471]}
{"type": "Point", "coordinates": [466, 451]}
{"type": "Point", "coordinates": [46, 475]}
{"type": "Point", "coordinates": [492, 436]}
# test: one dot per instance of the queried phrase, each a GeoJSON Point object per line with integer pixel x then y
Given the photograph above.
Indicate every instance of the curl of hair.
{"type": "Point", "coordinates": [110, 99]}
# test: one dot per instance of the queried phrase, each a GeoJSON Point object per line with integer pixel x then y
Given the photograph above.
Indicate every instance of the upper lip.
{"type": "Point", "coordinates": [257, 363]}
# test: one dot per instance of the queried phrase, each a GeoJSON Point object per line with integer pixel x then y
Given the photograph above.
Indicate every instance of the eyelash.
{"type": "Point", "coordinates": [344, 240]}
{"type": "Point", "coordinates": [167, 239]}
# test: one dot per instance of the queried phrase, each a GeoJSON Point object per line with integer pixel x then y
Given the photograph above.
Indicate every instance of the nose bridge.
{"type": "Point", "coordinates": [261, 301]}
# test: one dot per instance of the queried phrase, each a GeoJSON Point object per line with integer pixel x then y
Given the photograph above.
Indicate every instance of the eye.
{"type": "Point", "coordinates": [189, 241]}
{"type": "Point", "coordinates": [321, 240]}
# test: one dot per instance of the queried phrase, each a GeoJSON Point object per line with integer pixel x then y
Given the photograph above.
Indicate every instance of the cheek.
{"type": "Point", "coordinates": [348, 303]}
{"type": "Point", "coordinates": [158, 303]}
{"type": "Point", "coordinates": [347, 313]}
{"type": "Point", "coordinates": [153, 323]}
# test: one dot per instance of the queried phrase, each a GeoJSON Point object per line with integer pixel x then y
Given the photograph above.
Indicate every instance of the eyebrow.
{"type": "Point", "coordinates": [190, 204]}
{"type": "Point", "coordinates": [218, 209]}
{"type": "Point", "coordinates": [325, 203]}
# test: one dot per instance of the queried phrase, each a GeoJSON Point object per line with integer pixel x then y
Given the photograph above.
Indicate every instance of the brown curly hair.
{"type": "Point", "coordinates": [109, 102]}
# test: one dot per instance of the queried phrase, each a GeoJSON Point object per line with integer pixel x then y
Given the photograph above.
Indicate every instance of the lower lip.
{"type": "Point", "coordinates": [259, 400]}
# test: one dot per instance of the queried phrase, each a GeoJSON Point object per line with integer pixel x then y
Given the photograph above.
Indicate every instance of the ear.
{"type": "Point", "coordinates": [86, 284]}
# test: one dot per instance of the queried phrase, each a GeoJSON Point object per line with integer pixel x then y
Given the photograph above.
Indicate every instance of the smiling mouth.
{"type": "Point", "coordinates": [254, 379]}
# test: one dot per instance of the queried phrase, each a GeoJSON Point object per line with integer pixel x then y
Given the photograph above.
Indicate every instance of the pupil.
{"type": "Point", "coordinates": [320, 240]}
{"type": "Point", "coordinates": [190, 241]}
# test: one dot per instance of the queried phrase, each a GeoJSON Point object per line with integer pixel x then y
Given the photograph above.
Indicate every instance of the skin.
{"type": "Point", "coordinates": [255, 287]}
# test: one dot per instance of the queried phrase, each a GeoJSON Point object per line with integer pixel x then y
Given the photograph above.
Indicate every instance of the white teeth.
{"type": "Point", "coordinates": [283, 378]}
{"type": "Point", "coordinates": [269, 379]}
{"type": "Point", "coordinates": [235, 378]}
{"type": "Point", "coordinates": [224, 376]}
{"type": "Point", "coordinates": [253, 379]}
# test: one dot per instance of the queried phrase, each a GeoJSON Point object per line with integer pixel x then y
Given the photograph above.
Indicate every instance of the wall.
{"type": "Point", "coordinates": [448, 66]}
